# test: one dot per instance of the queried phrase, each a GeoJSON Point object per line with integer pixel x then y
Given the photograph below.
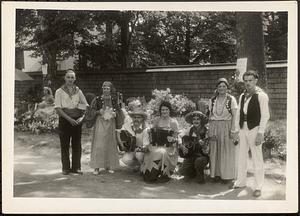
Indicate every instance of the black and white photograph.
{"type": "Point", "coordinates": [149, 107]}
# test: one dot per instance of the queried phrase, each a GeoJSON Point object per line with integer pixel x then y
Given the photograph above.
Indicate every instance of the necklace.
{"type": "Point", "coordinates": [220, 106]}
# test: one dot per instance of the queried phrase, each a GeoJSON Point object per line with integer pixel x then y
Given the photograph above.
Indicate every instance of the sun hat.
{"type": "Point", "coordinates": [189, 116]}
{"type": "Point", "coordinates": [138, 111]}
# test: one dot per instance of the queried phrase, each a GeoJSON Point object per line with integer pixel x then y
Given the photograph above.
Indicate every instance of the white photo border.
{"type": "Point", "coordinates": [78, 205]}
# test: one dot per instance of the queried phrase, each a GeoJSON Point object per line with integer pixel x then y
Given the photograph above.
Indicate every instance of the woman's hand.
{"type": "Point", "coordinates": [233, 135]}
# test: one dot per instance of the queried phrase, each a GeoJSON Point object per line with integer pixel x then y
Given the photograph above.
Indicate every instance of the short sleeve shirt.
{"type": "Point", "coordinates": [64, 100]}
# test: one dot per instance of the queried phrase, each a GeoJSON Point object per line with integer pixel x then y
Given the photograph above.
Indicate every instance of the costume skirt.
{"type": "Point", "coordinates": [104, 152]}
{"type": "Point", "coordinates": [222, 150]}
{"type": "Point", "coordinates": [161, 158]}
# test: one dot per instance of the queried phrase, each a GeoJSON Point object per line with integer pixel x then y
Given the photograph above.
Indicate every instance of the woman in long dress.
{"type": "Point", "coordinates": [107, 118]}
{"type": "Point", "coordinates": [222, 133]}
{"type": "Point", "coordinates": [161, 159]}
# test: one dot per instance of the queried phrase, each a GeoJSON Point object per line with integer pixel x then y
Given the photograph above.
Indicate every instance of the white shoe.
{"type": "Point", "coordinates": [96, 172]}
{"type": "Point", "coordinates": [111, 171]}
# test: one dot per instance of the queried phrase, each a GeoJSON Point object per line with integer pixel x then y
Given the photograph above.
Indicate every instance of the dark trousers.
{"type": "Point", "coordinates": [68, 133]}
{"type": "Point", "coordinates": [194, 166]}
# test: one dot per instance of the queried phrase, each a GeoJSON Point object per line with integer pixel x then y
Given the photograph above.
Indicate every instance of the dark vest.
{"type": "Point", "coordinates": [253, 112]}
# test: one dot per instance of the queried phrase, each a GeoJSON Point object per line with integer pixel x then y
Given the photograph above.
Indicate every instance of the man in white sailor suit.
{"type": "Point", "coordinates": [253, 115]}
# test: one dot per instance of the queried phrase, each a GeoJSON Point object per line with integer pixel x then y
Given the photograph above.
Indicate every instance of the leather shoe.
{"type": "Point", "coordinates": [225, 181]}
{"type": "Point", "coordinates": [77, 172]}
{"type": "Point", "coordinates": [236, 187]}
{"type": "Point", "coordinates": [163, 179]}
{"type": "Point", "coordinates": [257, 193]}
{"type": "Point", "coordinates": [216, 179]}
{"type": "Point", "coordinates": [65, 172]}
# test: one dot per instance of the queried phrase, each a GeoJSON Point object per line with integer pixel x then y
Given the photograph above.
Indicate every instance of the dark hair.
{"type": "Point", "coordinates": [203, 120]}
{"type": "Point", "coordinates": [251, 73]}
{"type": "Point", "coordinates": [166, 104]}
{"type": "Point", "coordinates": [222, 80]}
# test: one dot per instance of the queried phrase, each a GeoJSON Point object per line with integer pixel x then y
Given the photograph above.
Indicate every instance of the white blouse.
{"type": "Point", "coordinates": [63, 100]}
{"type": "Point", "coordinates": [219, 111]}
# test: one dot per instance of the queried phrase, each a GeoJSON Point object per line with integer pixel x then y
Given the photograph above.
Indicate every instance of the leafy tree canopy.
{"type": "Point", "coordinates": [115, 39]}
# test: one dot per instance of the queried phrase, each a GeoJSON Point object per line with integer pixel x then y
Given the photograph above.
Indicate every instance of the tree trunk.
{"type": "Point", "coordinates": [124, 39]}
{"type": "Point", "coordinates": [51, 79]}
{"type": "Point", "coordinates": [187, 50]}
{"type": "Point", "coordinates": [250, 43]}
{"type": "Point", "coordinates": [108, 32]}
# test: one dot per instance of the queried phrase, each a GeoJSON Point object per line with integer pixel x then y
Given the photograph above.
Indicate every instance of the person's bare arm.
{"type": "Point", "coordinates": [62, 114]}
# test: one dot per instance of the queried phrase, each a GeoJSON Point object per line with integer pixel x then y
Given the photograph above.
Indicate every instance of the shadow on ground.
{"type": "Point", "coordinates": [37, 173]}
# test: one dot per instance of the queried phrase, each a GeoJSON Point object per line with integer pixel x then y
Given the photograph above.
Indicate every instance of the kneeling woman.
{"type": "Point", "coordinates": [194, 147]}
{"type": "Point", "coordinates": [161, 159]}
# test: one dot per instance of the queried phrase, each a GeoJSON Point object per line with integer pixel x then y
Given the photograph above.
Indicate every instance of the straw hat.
{"type": "Point", "coordinates": [138, 111]}
{"type": "Point", "coordinates": [189, 116]}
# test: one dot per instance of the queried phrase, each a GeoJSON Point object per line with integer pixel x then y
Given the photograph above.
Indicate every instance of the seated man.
{"type": "Point", "coordinates": [133, 138]}
{"type": "Point", "coordinates": [194, 148]}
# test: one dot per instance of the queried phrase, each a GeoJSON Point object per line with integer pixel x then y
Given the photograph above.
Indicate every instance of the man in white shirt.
{"type": "Point", "coordinates": [253, 115]}
{"type": "Point", "coordinates": [70, 105]}
{"type": "Point", "coordinates": [135, 138]}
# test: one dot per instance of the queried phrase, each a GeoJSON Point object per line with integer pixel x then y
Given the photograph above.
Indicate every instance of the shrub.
{"type": "Point", "coordinates": [181, 105]}
{"type": "Point", "coordinates": [237, 87]}
{"type": "Point", "coordinates": [275, 138]}
{"type": "Point", "coordinates": [39, 121]}
{"type": "Point", "coordinates": [33, 94]}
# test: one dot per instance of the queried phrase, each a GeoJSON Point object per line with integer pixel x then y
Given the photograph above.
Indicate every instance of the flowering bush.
{"type": "Point", "coordinates": [181, 105]}
{"type": "Point", "coordinates": [237, 87]}
{"type": "Point", "coordinates": [275, 138]}
{"type": "Point", "coordinates": [39, 121]}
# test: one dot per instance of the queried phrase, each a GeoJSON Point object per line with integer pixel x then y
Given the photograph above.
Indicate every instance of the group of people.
{"type": "Point", "coordinates": [218, 140]}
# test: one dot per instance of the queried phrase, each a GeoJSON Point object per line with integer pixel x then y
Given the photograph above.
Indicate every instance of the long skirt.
{"type": "Point", "coordinates": [222, 150]}
{"type": "Point", "coordinates": [104, 152]}
{"type": "Point", "coordinates": [161, 159]}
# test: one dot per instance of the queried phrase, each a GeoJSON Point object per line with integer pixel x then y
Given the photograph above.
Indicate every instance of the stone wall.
{"type": "Point", "coordinates": [193, 81]}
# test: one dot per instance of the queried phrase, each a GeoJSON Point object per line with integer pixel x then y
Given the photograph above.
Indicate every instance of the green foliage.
{"type": "Point", "coordinates": [114, 39]}
{"type": "Point", "coordinates": [275, 138]}
{"type": "Point", "coordinates": [237, 87]}
{"type": "Point", "coordinates": [33, 95]}
{"type": "Point", "coordinates": [40, 121]}
{"type": "Point", "coordinates": [276, 35]}
{"type": "Point", "coordinates": [169, 37]}
{"type": "Point", "coordinates": [181, 105]}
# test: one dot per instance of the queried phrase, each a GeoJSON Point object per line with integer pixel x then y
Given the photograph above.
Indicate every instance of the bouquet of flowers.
{"type": "Point", "coordinates": [108, 113]}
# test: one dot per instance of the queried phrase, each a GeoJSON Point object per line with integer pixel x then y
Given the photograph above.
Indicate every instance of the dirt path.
{"type": "Point", "coordinates": [37, 173]}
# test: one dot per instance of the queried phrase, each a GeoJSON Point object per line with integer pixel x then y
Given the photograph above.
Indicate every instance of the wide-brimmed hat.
{"type": "Point", "coordinates": [138, 111]}
{"type": "Point", "coordinates": [189, 116]}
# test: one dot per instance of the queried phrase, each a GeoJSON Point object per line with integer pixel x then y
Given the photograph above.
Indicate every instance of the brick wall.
{"type": "Point", "coordinates": [193, 81]}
